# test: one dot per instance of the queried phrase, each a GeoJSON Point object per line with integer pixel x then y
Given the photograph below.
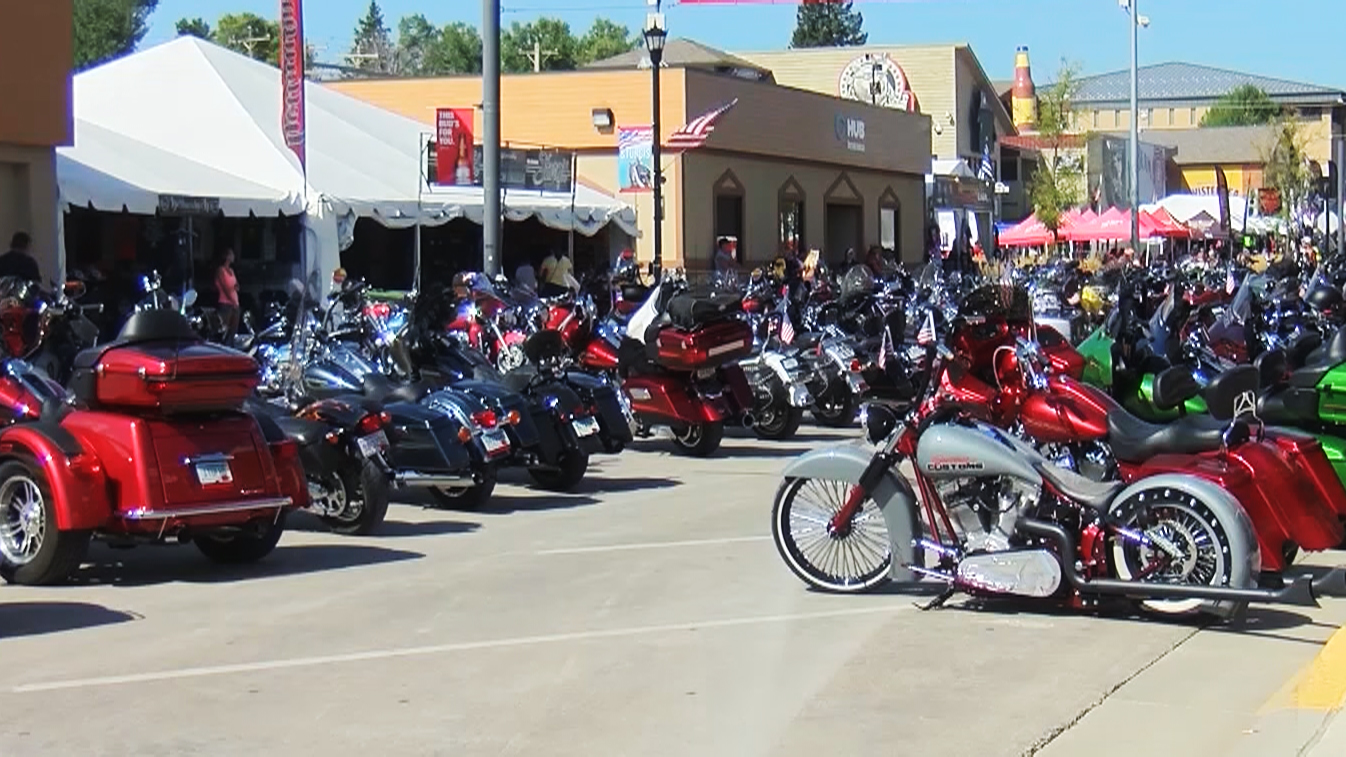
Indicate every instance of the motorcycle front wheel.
{"type": "Point", "coordinates": [837, 412]}
{"type": "Point", "coordinates": [699, 439]}
{"type": "Point", "coordinates": [853, 559]}
{"type": "Point", "coordinates": [779, 421]}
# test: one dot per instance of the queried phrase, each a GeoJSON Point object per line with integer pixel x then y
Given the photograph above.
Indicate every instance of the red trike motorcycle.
{"type": "Point", "coordinates": [151, 444]}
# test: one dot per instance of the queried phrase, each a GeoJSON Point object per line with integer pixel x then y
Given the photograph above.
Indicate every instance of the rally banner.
{"type": "Point", "coordinates": [454, 157]}
{"type": "Point", "coordinates": [635, 158]}
{"type": "Point", "coordinates": [293, 119]}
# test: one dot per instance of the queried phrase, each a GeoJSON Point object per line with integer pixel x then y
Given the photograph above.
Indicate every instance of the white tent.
{"type": "Point", "coordinates": [194, 119]}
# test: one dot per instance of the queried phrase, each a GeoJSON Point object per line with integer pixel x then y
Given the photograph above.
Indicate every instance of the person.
{"type": "Point", "coordinates": [19, 261]}
{"type": "Point", "coordinates": [558, 273]}
{"type": "Point", "coordinates": [226, 285]}
{"type": "Point", "coordinates": [526, 277]}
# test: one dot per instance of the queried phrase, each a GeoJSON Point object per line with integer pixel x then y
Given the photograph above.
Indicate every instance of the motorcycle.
{"type": "Point", "coordinates": [44, 328]}
{"type": "Point", "coordinates": [1001, 520]}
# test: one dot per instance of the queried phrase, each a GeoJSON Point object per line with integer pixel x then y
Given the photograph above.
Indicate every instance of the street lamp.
{"type": "Point", "coordinates": [655, 37]}
{"type": "Point", "coordinates": [1136, 22]}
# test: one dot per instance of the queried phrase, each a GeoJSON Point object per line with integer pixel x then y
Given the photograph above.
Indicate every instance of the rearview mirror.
{"type": "Point", "coordinates": [189, 298]}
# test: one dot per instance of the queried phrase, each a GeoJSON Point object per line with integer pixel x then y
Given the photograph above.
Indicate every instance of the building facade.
{"type": "Point", "coordinates": [35, 61]}
{"type": "Point", "coordinates": [783, 166]}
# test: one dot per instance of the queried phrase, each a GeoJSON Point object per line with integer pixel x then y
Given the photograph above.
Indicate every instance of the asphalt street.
{"type": "Point", "coordinates": [646, 615]}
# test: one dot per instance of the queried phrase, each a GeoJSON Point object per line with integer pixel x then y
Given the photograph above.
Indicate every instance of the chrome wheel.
{"type": "Point", "coordinates": [852, 558]}
{"type": "Point", "coordinates": [23, 520]}
{"type": "Point", "coordinates": [1184, 544]}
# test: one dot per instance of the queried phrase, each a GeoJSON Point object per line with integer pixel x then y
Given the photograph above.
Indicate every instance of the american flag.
{"type": "Point", "coordinates": [986, 171]}
{"type": "Point", "coordinates": [885, 346]}
{"type": "Point", "coordinates": [695, 133]}
{"type": "Point", "coordinates": [1229, 284]}
{"type": "Point", "coordinates": [631, 136]}
{"type": "Point", "coordinates": [927, 335]}
{"type": "Point", "coordinates": [787, 328]}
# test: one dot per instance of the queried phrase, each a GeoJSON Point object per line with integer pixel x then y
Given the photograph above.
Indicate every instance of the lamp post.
{"type": "Point", "coordinates": [1133, 162]}
{"type": "Point", "coordinates": [655, 37]}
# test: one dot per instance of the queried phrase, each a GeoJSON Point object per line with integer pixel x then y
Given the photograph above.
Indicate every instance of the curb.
{"type": "Point", "coordinates": [1301, 718]}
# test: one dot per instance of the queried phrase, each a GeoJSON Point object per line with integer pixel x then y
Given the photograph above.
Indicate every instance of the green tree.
{"type": "Point", "coordinates": [417, 39]}
{"type": "Point", "coordinates": [546, 44]}
{"type": "Point", "coordinates": [373, 50]}
{"type": "Point", "coordinates": [1058, 182]}
{"type": "Point", "coordinates": [828, 23]}
{"type": "Point", "coordinates": [1246, 105]}
{"type": "Point", "coordinates": [108, 29]}
{"type": "Point", "coordinates": [605, 39]}
{"type": "Point", "coordinates": [249, 34]}
{"type": "Point", "coordinates": [193, 27]}
{"type": "Point", "coordinates": [1287, 164]}
{"type": "Point", "coordinates": [458, 51]}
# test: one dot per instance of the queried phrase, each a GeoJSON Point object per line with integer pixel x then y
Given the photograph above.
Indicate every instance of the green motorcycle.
{"type": "Point", "coordinates": [1128, 375]}
{"type": "Point", "coordinates": [1312, 398]}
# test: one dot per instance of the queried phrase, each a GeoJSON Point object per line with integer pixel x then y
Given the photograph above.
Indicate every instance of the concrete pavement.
{"type": "Point", "coordinates": [649, 614]}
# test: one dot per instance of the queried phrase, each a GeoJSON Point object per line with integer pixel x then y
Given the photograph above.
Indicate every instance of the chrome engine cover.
{"type": "Point", "coordinates": [1024, 573]}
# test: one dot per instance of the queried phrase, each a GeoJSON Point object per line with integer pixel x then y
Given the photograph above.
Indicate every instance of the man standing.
{"type": "Point", "coordinates": [19, 261]}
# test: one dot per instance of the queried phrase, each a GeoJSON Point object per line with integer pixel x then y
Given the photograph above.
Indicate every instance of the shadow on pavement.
{"type": "Point", "coordinates": [539, 501]}
{"type": "Point", "coordinates": [389, 528]}
{"type": "Point", "coordinates": [149, 565]}
{"type": "Point", "coordinates": [38, 618]}
{"type": "Point", "coordinates": [618, 484]}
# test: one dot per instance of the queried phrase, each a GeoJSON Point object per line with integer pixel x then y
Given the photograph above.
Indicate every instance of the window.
{"type": "Point", "coordinates": [1116, 118]}
{"type": "Point", "coordinates": [1191, 117]}
{"type": "Point", "coordinates": [890, 220]}
{"type": "Point", "coordinates": [790, 216]}
{"type": "Point", "coordinates": [1171, 116]}
{"type": "Point", "coordinates": [1009, 169]}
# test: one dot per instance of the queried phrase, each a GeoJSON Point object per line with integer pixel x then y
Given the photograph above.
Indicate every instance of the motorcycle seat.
{"type": "Point", "coordinates": [1094, 494]}
{"type": "Point", "coordinates": [1134, 440]}
{"type": "Point", "coordinates": [1300, 348]}
{"type": "Point", "coordinates": [1331, 353]}
{"type": "Point", "coordinates": [636, 293]}
{"type": "Point", "coordinates": [380, 389]}
{"type": "Point", "coordinates": [1309, 376]}
{"type": "Point", "coordinates": [1291, 406]}
{"type": "Point", "coordinates": [304, 432]}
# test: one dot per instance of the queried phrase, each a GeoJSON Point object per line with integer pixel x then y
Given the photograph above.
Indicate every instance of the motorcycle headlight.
{"type": "Point", "coordinates": [878, 422]}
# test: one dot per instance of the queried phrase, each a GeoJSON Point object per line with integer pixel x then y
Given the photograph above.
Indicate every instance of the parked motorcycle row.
{"type": "Point", "coordinates": [331, 403]}
{"type": "Point", "coordinates": [1179, 456]}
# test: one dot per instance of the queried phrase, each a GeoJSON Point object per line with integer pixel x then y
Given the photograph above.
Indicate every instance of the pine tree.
{"type": "Point", "coordinates": [373, 49]}
{"type": "Point", "coordinates": [828, 23]}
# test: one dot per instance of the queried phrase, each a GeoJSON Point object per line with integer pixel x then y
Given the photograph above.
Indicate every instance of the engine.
{"type": "Point", "coordinates": [985, 510]}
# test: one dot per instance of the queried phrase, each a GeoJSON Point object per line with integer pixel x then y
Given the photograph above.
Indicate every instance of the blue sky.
{"type": "Point", "coordinates": [1256, 36]}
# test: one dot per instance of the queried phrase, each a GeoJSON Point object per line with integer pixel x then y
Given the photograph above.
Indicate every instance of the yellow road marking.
{"type": "Point", "coordinates": [1320, 685]}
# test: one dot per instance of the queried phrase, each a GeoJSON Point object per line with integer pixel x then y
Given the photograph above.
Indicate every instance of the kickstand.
{"type": "Point", "coordinates": [937, 602]}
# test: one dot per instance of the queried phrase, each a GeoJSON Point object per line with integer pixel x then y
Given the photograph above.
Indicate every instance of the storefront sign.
{"type": "Point", "coordinates": [292, 53]}
{"type": "Point", "coordinates": [182, 205]}
{"type": "Point", "coordinates": [538, 170]}
{"type": "Point", "coordinates": [635, 158]}
{"type": "Point", "coordinates": [877, 79]}
{"type": "Point", "coordinates": [851, 132]}
{"type": "Point", "coordinates": [455, 162]}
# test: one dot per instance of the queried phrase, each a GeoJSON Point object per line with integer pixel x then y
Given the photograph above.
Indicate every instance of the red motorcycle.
{"type": "Point", "coordinates": [678, 363]}
{"type": "Point", "coordinates": [1283, 480]}
{"type": "Point", "coordinates": [152, 445]}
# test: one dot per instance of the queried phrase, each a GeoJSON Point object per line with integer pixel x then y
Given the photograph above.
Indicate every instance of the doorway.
{"type": "Point", "coordinates": [844, 231]}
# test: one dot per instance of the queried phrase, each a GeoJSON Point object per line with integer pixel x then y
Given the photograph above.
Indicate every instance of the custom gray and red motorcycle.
{"type": "Point", "coordinates": [994, 518]}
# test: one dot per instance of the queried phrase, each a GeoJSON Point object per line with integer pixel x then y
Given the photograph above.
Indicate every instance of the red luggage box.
{"type": "Point", "coordinates": [170, 378]}
{"type": "Point", "coordinates": [705, 347]}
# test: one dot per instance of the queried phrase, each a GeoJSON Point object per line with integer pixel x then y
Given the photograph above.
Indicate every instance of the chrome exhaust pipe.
{"type": "Point", "coordinates": [749, 420]}
{"type": "Point", "coordinates": [412, 478]}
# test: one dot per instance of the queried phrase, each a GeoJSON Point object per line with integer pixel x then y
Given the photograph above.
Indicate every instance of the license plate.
{"type": "Point", "coordinates": [214, 473]}
{"type": "Point", "coordinates": [789, 364]}
{"type": "Point", "coordinates": [494, 441]}
{"type": "Point", "coordinates": [585, 426]}
{"type": "Point", "coordinates": [372, 444]}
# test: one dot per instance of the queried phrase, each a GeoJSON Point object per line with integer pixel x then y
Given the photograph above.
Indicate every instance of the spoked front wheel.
{"type": "Point", "coordinates": [839, 557]}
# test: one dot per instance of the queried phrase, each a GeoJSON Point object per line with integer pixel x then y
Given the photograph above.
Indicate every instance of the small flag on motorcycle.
{"type": "Point", "coordinates": [885, 345]}
{"type": "Point", "coordinates": [787, 328]}
{"type": "Point", "coordinates": [927, 335]}
{"type": "Point", "coordinates": [1229, 284]}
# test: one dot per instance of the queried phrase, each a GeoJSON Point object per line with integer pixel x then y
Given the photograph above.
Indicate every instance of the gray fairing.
{"type": "Point", "coordinates": [894, 496]}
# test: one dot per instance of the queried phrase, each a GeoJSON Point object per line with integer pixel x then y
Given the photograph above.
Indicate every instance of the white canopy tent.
{"type": "Point", "coordinates": [193, 119]}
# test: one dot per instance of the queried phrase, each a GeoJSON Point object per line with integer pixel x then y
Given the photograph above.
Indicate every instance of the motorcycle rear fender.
{"type": "Point", "coordinates": [894, 495]}
{"type": "Point", "coordinates": [669, 400]}
{"type": "Point", "coordinates": [74, 475]}
{"type": "Point", "coordinates": [1243, 538]}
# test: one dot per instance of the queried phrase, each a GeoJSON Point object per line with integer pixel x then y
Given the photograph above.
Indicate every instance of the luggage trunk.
{"type": "Point", "coordinates": [168, 377]}
{"type": "Point", "coordinates": [704, 347]}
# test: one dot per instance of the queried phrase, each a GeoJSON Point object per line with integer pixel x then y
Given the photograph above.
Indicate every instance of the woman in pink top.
{"type": "Point", "coordinates": [226, 283]}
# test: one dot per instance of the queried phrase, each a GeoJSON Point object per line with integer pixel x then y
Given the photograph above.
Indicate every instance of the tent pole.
{"type": "Point", "coordinates": [574, 170]}
{"type": "Point", "coordinates": [490, 139]}
{"type": "Point", "coordinates": [420, 188]}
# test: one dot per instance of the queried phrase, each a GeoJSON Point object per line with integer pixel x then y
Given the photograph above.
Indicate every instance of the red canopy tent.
{"type": "Point", "coordinates": [1113, 225]}
{"type": "Point", "coordinates": [1029, 232]}
{"type": "Point", "coordinates": [1166, 225]}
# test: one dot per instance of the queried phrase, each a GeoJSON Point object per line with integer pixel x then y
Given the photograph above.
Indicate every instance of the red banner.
{"type": "Point", "coordinates": [293, 121]}
{"type": "Point", "coordinates": [453, 146]}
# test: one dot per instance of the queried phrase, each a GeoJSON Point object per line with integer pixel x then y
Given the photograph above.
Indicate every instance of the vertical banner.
{"type": "Point", "coordinates": [293, 121]}
{"type": "Point", "coordinates": [454, 164]}
{"type": "Point", "coordinates": [1222, 187]}
{"type": "Point", "coordinates": [635, 158]}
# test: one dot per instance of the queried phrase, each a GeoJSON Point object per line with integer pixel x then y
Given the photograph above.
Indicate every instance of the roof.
{"type": "Point", "coordinates": [1185, 82]}
{"type": "Point", "coordinates": [1212, 145]}
{"type": "Point", "coordinates": [683, 53]}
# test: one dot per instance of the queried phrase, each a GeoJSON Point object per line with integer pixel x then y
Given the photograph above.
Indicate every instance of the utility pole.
{"type": "Point", "coordinates": [537, 55]}
{"type": "Point", "coordinates": [490, 136]}
{"type": "Point", "coordinates": [248, 42]}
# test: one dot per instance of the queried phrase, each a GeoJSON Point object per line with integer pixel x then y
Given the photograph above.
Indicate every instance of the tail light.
{"type": "Point", "coordinates": [856, 365]}
{"type": "Point", "coordinates": [580, 410]}
{"type": "Point", "coordinates": [512, 417]}
{"type": "Point", "coordinates": [372, 422]}
{"type": "Point", "coordinates": [485, 418]}
{"type": "Point", "coordinates": [464, 434]}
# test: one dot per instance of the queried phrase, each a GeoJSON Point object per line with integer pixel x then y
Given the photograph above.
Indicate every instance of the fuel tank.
{"type": "Point", "coordinates": [950, 451]}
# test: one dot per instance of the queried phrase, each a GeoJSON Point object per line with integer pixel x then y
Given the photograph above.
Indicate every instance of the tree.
{"type": "Point", "coordinates": [605, 39]}
{"type": "Point", "coordinates": [828, 23]}
{"type": "Point", "coordinates": [1287, 165]}
{"type": "Point", "coordinates": [546, 44]}
{"type": "Point", "coordinates": [108, 29]}
{"type": "Point", "coordinates": [458, 51]}
{"type": "Point", "coordinates": [373, 50]}
{"type": "Point", "coordinates": [249, 34]}
{"type": "Point", "coordinates": [1246, 105]}
{"type": "Point", "coordinates": [1058, 182]}
{"type": "Point", "coordinates": [194, 27]}
{"type": "Point", "coordinates": [417, 39]}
